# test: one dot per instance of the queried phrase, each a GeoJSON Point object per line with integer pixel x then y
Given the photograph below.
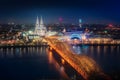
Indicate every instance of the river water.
{"type": "Point", "coordinates": [107, 57]}
{"type": "Point", "coordinates": [38, 63]}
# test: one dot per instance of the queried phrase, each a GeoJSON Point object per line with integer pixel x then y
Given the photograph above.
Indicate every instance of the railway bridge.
{"type": "Point", "coordinates": [84, 65]}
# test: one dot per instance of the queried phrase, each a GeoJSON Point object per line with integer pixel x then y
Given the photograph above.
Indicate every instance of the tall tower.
{"type": "Point", "coordinates": [36, 25]}
{"type": "Point", "coordinates": [80, 23]}
{"type": "Point", "coordinates": [41, 22]}
{"type": "Point", "coordinates": [40, 28]}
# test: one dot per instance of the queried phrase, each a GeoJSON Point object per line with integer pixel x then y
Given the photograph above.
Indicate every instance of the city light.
{"type": "Point", "coordinates": [59, 40]}
{"type": "Point", "coordinates": [30, 32]}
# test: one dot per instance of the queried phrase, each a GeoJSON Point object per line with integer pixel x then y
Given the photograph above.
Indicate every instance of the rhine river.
{"type": "Point", "coordinates": [38, 63]}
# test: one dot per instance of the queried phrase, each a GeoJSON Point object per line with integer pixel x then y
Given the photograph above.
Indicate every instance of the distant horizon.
{"type": "Point", "coordinates": [10, 23]}
{"type": "Point", "coordinates": [32, 20]}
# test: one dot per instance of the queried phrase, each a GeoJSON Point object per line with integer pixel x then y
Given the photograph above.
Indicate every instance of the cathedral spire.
{"type": "Point", "coordinates": [40, 28]}
{"type": "Point", "coordinates": [41, 22]}
{"type": "Point", "coordinates": [37, 25]}
{"type": "Point", "coordinates": [37, 22]}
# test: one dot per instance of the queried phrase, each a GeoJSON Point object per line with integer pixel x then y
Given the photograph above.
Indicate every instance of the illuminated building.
{"type": "Point", "coordinates": [40, 28]}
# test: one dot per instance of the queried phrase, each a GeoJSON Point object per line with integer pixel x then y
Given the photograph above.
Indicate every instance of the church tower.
{"type": "Point", "coordinates": [40, 28]}
{"type": "Point", "coordinates": [41, 22]}
{"type": "Point", "coordinates": [36, 25]}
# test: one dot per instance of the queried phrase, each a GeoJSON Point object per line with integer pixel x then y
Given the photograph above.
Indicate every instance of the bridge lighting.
{"type": "Point", "coordinates": [82, 64]}
{"type": "Point", "coordinates": [63, 61]}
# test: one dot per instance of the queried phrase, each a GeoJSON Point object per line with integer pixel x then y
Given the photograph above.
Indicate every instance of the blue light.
{"type": "Point", "coordinates": [80, 20]}
{"type": "Point", "coordinates": [75, 36]}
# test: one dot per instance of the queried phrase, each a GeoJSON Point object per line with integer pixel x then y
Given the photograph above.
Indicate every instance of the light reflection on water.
{"type": "Point", "coordinates": [80, 49]}
{"type": "Point", "coordinates": [27, 63]}
{"type": "Point", "coordinates": [97, 50]}
{"type": "Point", "coordinates": [52, 62]}
{"type": "Point", "coordinates": [62, 66]}
{"type": "Point", "coordinates": [108, 57]}
{"type": "Point", "coordinates": [77, 49]}
{"type": "Point", "coordinates": [32, 55]}
{"type": "Point", "coordinates": [20, 52]}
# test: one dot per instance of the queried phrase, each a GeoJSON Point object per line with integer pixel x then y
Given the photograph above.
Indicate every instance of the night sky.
{"type": "Point", "coordinates": [90, 11]}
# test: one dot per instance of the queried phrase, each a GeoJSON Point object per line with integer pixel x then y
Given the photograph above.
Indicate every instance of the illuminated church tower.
{"type": "Point", "coordinates": [36, 26]}
{"type": "Point", "coordinates": [40, 28]}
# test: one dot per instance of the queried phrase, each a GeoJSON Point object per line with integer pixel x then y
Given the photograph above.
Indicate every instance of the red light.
{"type": "Point", "coordinates": [110, 25]}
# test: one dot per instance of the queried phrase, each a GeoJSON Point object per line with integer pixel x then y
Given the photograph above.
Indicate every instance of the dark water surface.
{"type": "Point", "coordinates": [27, 64]}
{"type": "Point", "coordinates": [37, 63]}
{"type": "Point", "coordinates": [107, 57]}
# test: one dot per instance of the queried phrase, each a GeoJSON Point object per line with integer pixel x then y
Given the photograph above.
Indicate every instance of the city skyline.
{"type": "Point", "coordinates": [90, 11]}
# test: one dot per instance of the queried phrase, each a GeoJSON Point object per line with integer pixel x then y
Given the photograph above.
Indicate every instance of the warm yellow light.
{"type": "Point", "coordinates": [63, 61]}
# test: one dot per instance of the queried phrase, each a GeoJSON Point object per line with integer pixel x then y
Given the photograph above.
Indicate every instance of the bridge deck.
{"type": "Point", "coordinates": [84, 65]}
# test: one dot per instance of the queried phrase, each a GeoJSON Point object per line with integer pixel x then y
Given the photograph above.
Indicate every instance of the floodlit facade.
{"type": "Point", "coordinates": [40, 28]}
